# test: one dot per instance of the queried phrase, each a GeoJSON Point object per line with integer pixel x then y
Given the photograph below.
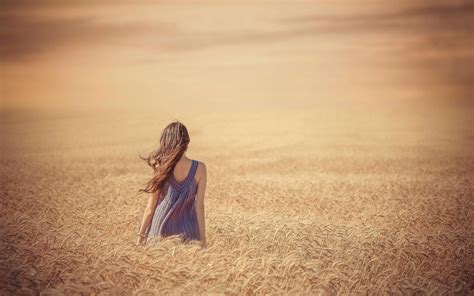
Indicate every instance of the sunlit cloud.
{"type": "Point", "coordinates": [145, 45]}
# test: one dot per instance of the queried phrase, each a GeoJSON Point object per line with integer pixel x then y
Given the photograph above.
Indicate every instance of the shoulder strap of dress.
{"type": "Point", "coordinates": [194, 168]}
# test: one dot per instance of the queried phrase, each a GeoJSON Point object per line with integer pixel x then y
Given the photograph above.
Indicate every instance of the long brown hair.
{"type": "Point", "coordinates": [173, 143]}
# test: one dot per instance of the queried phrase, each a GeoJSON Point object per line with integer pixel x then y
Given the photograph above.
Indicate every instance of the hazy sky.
{"type": "Point", "coordinates": [157, 54]}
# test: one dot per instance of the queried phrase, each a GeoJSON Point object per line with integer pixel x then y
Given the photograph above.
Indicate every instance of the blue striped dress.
{"type": "Point", "coordinates": [175, 212]}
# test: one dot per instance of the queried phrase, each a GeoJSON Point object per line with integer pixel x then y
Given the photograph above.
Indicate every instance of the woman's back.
{"type": "Point", "coordinates": [181, 210]}
{"type": "Point", "coordinates": [175, 212]}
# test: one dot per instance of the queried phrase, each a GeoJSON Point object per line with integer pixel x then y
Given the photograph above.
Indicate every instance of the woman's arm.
{"type": "Point", "coordinates": [199, 205]}
{"type": "Point", "coordinates": [148, 215]}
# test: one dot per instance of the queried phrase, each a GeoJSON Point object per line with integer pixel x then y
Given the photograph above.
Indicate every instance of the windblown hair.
{"type": "Point", "coordinates": [173, 143]}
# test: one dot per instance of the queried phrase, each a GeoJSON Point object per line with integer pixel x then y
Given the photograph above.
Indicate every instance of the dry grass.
{"type": "Point", "coordinates": [318, 202]}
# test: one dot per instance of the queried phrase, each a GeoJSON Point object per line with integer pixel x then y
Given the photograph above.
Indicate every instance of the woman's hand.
{"type": "Point", "coordinates": [141, 240]}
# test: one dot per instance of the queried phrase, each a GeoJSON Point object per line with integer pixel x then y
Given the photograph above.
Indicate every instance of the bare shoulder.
{"type": "Point", "coordinates": [201, 171]}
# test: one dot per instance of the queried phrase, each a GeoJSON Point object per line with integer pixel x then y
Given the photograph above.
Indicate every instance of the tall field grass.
{"type": "Point", "coordinates": [372, 199]}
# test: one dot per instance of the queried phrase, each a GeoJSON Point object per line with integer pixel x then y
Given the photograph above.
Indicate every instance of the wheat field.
{"type": "Point", "coordinates": [367, 199]}
{"type": "Point", "coordinates": [337, 136]}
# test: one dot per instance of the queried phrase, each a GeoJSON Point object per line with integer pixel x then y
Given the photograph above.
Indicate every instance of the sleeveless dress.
{"type": "Point", "coordinates": [175, 212]}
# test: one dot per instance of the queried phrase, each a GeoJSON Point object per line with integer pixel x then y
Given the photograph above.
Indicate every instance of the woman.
{"type": "Point", "coordinates": [177, 187]}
